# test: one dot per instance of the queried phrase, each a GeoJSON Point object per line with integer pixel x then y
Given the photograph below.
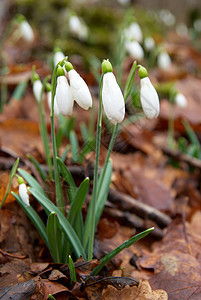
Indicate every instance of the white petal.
{"type": "Point", "coordinates": [23, 193]}
{"type": "Point", "coordinates": [27, 31]}
{"type": "Point", "coordinates": [113, 100]}
{"type": "Point", "coordinates": [49, 100]}
{"type": "Point", "coordinates": [181, 100]}
{"type": "Point", "coordinates": [149, 99]}
{"type": "Point", "coordinates": [164, 60]}
{"type": "Point", "coordinates": [63, 96]}
{"type": "Point", "coordinates": [37, 87]}
{"type": "Point", "coordinates": [58, 56]}
{"type": "Point", "coordinates": [134, 49]}
{"type": "Point", "coordinates": [80, 90]}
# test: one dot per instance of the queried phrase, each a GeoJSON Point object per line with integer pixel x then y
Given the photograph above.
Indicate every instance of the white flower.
{"type": "Point", "coordinates": [23, 194]}
{"type": "Point", "coordinates": [149, 43]}
{"type": "Point", "coordinates": [134, 49]}
{"type": "Point", "coordinates": [134, 32]}
{"type": "Point", "coordinates": [58, 56]}
{"type": "Point", "coordinates": [149, 98]}
{"type": "Point", "coordinates": [124, 2]}
{"type": "Point", "coordinates": [167, 17]}
{"type": "Point", "coordinates": [78, 28]}
{"type": "Point", "coordinates": [164, 60]}
{"type": "Point", "coordinates": [181, 100]}
{"type": "Point", "coordinates": [63, 96]}
{"type": "Point", "coordinates": [112, 98]}
{"type": "Point", "coordinates": [26, 31]}
{"type": "Point", "coordinates": [80, 90]}
{"type": "Point", "coordinates": [49, 100]}
{"type": "Point", "coordinates": [37, 88]}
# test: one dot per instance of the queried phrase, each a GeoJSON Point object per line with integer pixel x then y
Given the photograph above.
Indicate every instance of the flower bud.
{"type": "Point", "coordinates": [149, 43]}
{"type": "Point", "coordinates": [148, 96]}
{"type": "Point", "coordinates": [63, 95]}
{"type": "Point", "coordinates": [37, 87]}
{"type": "Point", "coordinates": [80, 90]}
{"type": "Point", "coordinates": [164, 60]}
{"type": "Point", "coordinates": [112, 97]}
{"type": "Point", "coordinates": [134, 49]}
{"type": "Point", "coordinates": [58, 56]}
{"type": "Point", "coordinates": [23, 191]}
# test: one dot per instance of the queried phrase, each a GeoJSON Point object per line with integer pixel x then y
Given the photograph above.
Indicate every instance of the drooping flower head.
{"type": "Point", "coordinates": [37, 87]}
{"type": "Point", "coordinates": [63, 95]}
{"type": "Point", "coordinates": [112, 97]}
{"type": "Point", "coordinates": [164, 60]}
{"type": "Point", "coordinates": [134, 49]}
{"type": "Point", "coordinates": [180, 100]}
{"type": "Point", "coordinates": [80, 90]}
{"type": "Point", "coordinates": [148, 95]}
{"type": "Point", "coordinates": [25, 28]}
{"type": "Point", "coordinates": [78, 27]}
{"type": "Point", "coordinates": [23, 191]}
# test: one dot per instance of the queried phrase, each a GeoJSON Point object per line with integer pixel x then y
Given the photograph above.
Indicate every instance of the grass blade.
{"type": "Point", "coordinates": [65, 225]}
{"type": "Point", "coordinates": [123, 246]}
{"type": "Point", "coordinates": [72, 270]}
{"type": "Point", "coordinates": [34, 217]}
{"type": "Point", "coordinates": [12, 174]}
{"type": "Point", "coordinates": [54, 236]}
{"type": "Point", "coordinates": [38, 167]}
{"type": "Point", "coordinates": [74, 145]}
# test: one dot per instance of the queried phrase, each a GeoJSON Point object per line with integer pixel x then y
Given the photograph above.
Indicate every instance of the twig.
{"type": "Point", "coordinates": [128, 203]}
{"type": "Point", "coordinates": [4, 253]}
{"type": "Point", "coordinates": [192, 161]}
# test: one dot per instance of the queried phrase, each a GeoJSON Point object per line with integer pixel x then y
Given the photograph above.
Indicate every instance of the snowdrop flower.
{"type": "Point", "coordinates": [164, 60]}
{"type": "Point", "coordinates": [37, 87]}
{"type": "Point", "coordinates": [180, 100]}
{"type": "Point", "coordinates": [23, 191]}
{"type": "Point", "coordinates": [63, 95]}
{"type": "Point", "coordinates": [149, 43]}
{"type": "Point", "coordinates": [124, 2]}
{"type": "Point", "coordinates": [134, 49]}
{"type": "Point", "coordinates": [112, 97]}
{"type": "Point", "coordinates": [167, 17]}
{"type": "Point", "coordinates": [182, 30]}
{"type": "Point", "coordinates": [134, 32]}
{"type": "Point", "coordinates": [25, 28]}
{"type": "Point", "coordinates": [49, 99]}
{"type": "Point", "coordinates": [58, 56]}
{"type": "Point", "coordinates": [78, 28]}
{"type": "Point", "coordinates": [80, 90]}
{"type": "Point", "coordinates": [148, 95]}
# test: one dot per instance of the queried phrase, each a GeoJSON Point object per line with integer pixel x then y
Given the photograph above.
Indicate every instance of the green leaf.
{"type": "Point", "coordinates": [129, 82]}
{"type": "Point", "coordinates": [123, 246]}
{"type": "Point", "coordinates": [76, 207]}
{"type": "Point", "coordinates": [31, 181]}
{"type": "Point", "coordinates": [88, 147]}
{"type": "Point", "coordinates": [54, 236]}
{"type": "Point", "coordinates": [103, 188]}
{"type": "Point", "coordinates": [68, 178]}
{"type": "Point", "coordinates": [38, 167]}
{"type": "Point", "coordinates": [12, 174]}
{"type": "Point", "coordinates": [19, 90]}
{"type": "Point", "coordinates": [34, 217]}
{"type": "Point", "coordinates": [65, 225]}
{"type": "Point", "coordinates": [74, 145]}
{"type": "Point", "coordinates": [72, 270]}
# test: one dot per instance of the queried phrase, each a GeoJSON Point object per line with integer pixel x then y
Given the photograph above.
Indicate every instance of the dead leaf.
{"type": "Point", "coordinates": [142, 292]}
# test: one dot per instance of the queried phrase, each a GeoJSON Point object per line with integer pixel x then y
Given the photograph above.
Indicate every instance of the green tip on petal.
{"type": "Point", "coordinates": [106, 66]}
{"type": "Point", "coordinates": [68, 66]}
{"type": "Point", "coordinates": [142, 72]}
{"type": "Point", "coordinates": [35, 77]}
{"type": "Point", "coordinates": [20, 180]}
{"type": "Point", "coordinates": [60, 71]}
{"type": "Point", "coordinates": [48, 87]}
{"type": "Point", "coordinates": [20, 18]}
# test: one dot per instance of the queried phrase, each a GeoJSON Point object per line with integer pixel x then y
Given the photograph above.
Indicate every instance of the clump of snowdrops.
{"type": "Point", "coordinates": [68, 234]}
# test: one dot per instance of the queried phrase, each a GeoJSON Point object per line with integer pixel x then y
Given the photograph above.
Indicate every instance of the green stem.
{"type": "Point", "coordinates": [3, 83]}
{"type": "Point", "coordinates": [95, 182]}
{"type": "Point", "coordinates": [59, 194]}
{"type": "Point", "coordinates": [43, 130]}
